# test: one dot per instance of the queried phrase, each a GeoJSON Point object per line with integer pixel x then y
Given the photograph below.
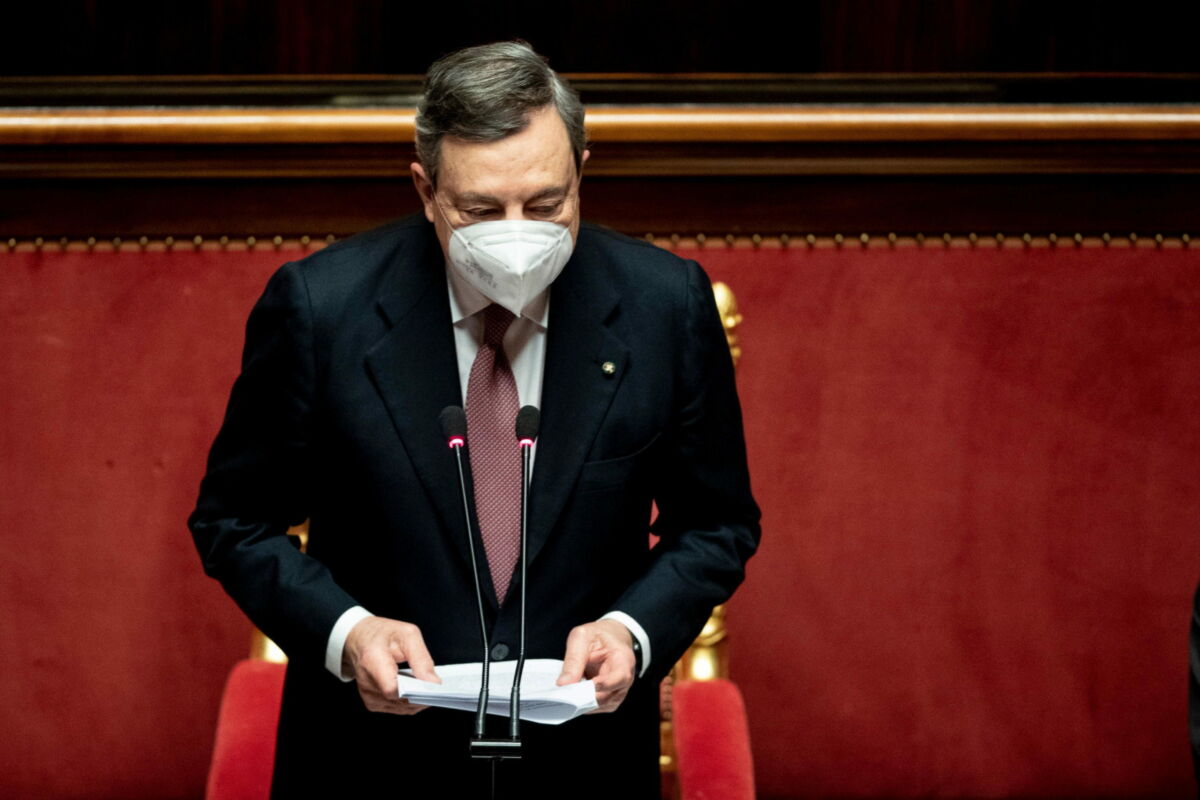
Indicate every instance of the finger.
{"type": "Point", "coordinates": [615, 670]}
{"type": "Point", "coordinates": [398, 706]}
{"type": "Point", "coordinates": [608, 706]}
{"type": "Point", "coordinates": [576, 657]}
{"type": "Point", "coordinates": [615, 701]}
{"type": "Point", "coordinates": [417, 656]}
{"type": "Point", "coordinates": [379, 672]}
{"type": "Point", "coordinates": [407, 709]}
{"type": "Point", "coordinates": [605, 690]}
{"type": "Point", "coordinates": [612, 700]}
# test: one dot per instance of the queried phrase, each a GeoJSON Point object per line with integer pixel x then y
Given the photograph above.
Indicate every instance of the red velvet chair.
{"type": "Point", "coordinates": [712, 742]}
{"type": "Point", "coordinates": [711, 737]}
{"type": "Point", "coordinates": [244, 751]}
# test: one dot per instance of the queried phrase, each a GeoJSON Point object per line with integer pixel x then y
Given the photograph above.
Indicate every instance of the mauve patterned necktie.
{"type": "Point", "coordinates": [492, 405]}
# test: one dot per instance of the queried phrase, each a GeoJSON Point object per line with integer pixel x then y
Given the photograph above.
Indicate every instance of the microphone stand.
{"type": "Point", "coordinates": [527, 425]}
{"type": "Point", "coordinates": [454, 425]}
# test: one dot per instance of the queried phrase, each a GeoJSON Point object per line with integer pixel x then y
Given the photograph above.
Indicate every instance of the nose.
{"type": "Point", "coordinates": [515, 211]}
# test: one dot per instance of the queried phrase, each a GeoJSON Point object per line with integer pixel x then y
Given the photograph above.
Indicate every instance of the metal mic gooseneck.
{"type": "Point", "coordinates": [528, 419]}
{"type": "Point", "coordinates": [454, 426]}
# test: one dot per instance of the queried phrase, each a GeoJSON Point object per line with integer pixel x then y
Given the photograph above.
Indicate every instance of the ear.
{"type": "Point", "coordinates": [424, 189]}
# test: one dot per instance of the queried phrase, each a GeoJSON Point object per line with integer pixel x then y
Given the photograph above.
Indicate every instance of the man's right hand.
{"type": "Point", "coordinates": [373, 649]}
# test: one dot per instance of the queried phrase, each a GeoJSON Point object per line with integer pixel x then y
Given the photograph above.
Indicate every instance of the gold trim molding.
{"type": "Point", "coordinates": [663, 124]}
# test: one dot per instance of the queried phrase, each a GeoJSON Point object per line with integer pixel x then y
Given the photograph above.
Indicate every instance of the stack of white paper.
{"type": "Point", "coordinates": [541, 699]}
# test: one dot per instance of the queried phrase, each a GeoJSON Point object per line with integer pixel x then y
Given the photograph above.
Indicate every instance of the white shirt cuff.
{"type": "Point", "coordinates": [337, 640]}
{"type": "Point", "coordinates": [638, 633]}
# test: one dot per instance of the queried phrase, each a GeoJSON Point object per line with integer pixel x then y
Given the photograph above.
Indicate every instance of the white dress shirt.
{"type": "Point", "coordinates": [525, 347]}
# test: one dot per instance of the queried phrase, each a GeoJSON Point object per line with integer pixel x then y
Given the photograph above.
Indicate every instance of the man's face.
{"type": "Point", "coordinates": [529, 175]}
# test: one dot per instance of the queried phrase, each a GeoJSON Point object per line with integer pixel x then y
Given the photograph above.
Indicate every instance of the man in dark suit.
{"type": "Point", "coordinates": [350, 356]}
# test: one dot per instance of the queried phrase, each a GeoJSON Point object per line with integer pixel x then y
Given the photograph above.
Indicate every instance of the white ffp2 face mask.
{"type": "Point", "coordinates": [510, 261]}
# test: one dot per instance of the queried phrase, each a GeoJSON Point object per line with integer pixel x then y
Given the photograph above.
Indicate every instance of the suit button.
{"type": "Point", "coordinates": [499, 651]}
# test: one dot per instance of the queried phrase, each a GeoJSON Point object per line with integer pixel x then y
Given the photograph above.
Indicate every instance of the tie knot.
{"type": "Point", "coordinates": [496, 319]}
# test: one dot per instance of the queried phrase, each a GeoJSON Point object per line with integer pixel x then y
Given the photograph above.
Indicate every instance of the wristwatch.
{"type": "Point", "coordinates": [637, 656]}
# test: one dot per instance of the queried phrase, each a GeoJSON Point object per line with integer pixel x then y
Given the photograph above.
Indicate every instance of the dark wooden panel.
{"type": "Point", "coordinates": [627, 141]}
{"type": "Point", "coordinates": [623, 89]}
{"type": "Point", "coordinates": [905, 204]}
{"type": "Point", "coordinates": [1118, 204]}
{"type": "Point", "coordinates": [714, 169]}
{"type": "Point", "coordinates": [236, 207]}
{"type": "Point", "coordinates": [617, 159]}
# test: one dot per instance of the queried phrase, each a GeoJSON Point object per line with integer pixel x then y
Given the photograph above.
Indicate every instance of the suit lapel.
{"type": "Point", "coordinates": [577, 389]}
{"type": "Point", "coordinates": [415, 370]}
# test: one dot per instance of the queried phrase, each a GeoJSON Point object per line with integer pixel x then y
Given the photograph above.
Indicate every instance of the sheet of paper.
{"type": "Point", "coordinates": [541, 700]}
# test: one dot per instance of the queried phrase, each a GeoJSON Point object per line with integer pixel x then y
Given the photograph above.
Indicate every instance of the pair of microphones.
{"type": "Point", "coordinates": [454, 426]}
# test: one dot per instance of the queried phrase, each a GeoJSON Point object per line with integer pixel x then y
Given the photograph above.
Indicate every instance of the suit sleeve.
{"type": "Point", "coordinates": [256, 484]}
{"type": "Point", "coordinates": [708, 522]}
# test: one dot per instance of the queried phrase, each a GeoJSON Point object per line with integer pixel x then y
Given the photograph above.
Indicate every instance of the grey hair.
{"type": "Point", "coordinates": [485, 93]}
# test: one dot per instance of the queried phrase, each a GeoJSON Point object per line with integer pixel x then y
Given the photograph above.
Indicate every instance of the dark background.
{"type": "Point", "coordinates": [322, 37]}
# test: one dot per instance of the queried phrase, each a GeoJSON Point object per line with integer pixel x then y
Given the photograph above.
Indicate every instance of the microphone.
{"type": "Point", "coordinates": [454, 427]}
{"type": "Point", "coordinates": [528, 419]}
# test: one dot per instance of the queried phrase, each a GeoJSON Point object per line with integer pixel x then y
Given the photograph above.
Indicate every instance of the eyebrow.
{"type": "Point", "coordinates": [487, 199]}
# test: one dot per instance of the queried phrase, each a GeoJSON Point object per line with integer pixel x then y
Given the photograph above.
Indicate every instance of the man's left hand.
{"type": "Point", "coordinates": [602, 651]}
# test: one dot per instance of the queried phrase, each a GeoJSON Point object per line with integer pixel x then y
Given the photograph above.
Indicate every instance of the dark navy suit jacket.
{"type": "Point", "coordinates": [349, 359]}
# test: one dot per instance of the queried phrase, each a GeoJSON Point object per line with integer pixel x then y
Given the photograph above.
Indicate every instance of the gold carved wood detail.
{"type": "Point", "coordinates": [708, 657]}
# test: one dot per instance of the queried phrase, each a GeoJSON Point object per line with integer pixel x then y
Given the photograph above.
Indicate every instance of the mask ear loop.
{"type": "Point", "coordinates": [454, 232]}
{"type": "Point", "coordinates": [442, 211]}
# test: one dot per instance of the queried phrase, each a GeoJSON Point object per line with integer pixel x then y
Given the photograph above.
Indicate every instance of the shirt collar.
{"type": "Point", "coordinates": [466, 301]}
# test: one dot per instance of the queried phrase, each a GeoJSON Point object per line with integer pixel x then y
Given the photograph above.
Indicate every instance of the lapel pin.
{"type": "Point", "coordinates": [608, 368]}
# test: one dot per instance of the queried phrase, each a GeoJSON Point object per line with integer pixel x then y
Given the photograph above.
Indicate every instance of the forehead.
{"type": "Point", "coordinates": [531, 160]}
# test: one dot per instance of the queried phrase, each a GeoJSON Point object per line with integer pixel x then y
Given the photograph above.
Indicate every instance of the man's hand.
{"type": "Point", "coordinates": [373, 649]}
{"type": "Point", "coordinates": [603, 651]}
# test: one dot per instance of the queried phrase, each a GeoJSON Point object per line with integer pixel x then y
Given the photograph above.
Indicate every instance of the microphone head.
{"type": "Point", "coordinates": [528, 419]}
{"type": "Point", "coordinates": [454, 424]}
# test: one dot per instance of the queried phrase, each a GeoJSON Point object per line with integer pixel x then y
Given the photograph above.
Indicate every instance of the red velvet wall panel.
{"type": "Point", "coordinates": [977, 468]}
{"type": "Point", "coordinates": [114, 370]}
